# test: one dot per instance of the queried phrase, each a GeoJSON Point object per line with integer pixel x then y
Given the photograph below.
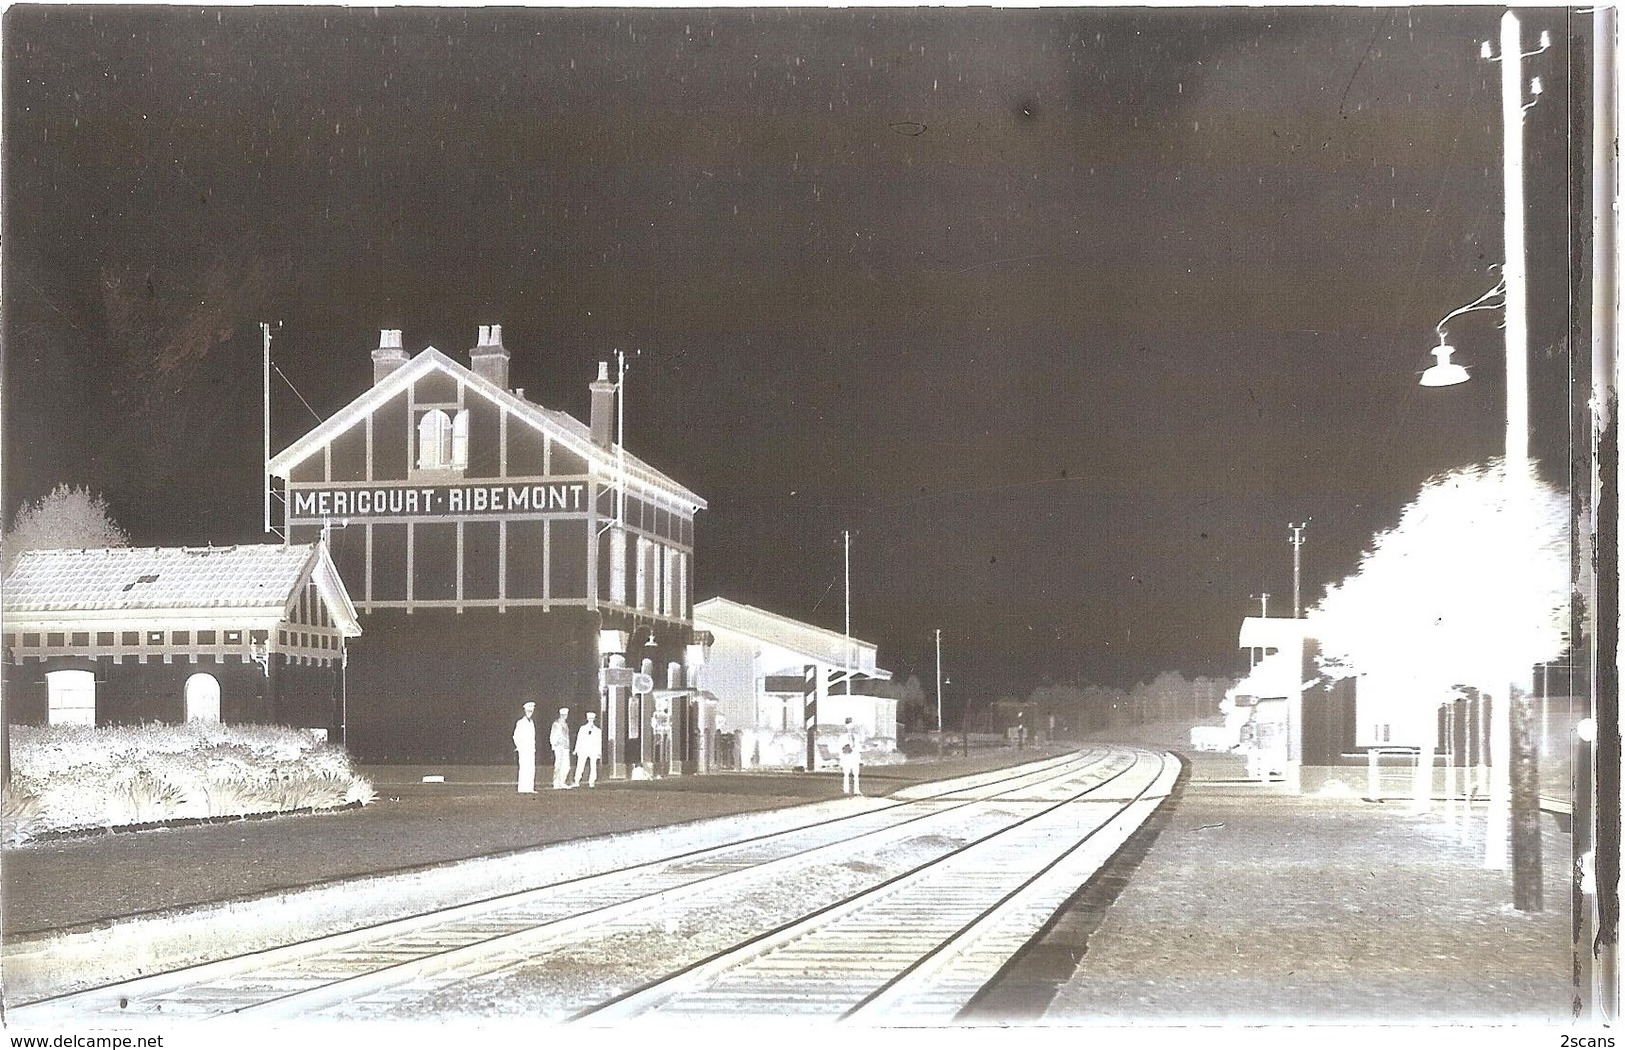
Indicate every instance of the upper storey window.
{"type": "Point", "coordinates": [443, 440]}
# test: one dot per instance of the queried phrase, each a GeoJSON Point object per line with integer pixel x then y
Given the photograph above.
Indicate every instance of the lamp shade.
{"type": "Point", "coordinates": [1444, 373]}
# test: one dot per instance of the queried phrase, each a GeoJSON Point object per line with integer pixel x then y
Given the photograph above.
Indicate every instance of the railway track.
{"type": "Point", "coordinates": [916, 949]}
{"type": "Point", "coordinates": [977, 834]}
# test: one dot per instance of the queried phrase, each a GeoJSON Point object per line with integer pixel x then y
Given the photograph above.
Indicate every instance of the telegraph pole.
{"type": "Point", "coordinates": [939, 692]}
{"type": "Point", "coordinates": [1297, 566]}
{"type": "Point", "coordinates": [1597, 794]}
{"type": "Point", "coordinates": [846, 535]}
{"type": "Point", "coordinates": [1512, 833]}
{"type": "Point", "coordinates": [265, 471]}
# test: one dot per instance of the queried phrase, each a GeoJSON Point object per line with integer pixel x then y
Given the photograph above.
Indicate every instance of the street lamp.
{"type": "Point", "coordinates": [1512, 292]}
{"type": "Point", "coordinates": [1445, 372]}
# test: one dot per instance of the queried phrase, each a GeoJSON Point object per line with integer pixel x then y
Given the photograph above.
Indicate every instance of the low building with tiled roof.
{"type": "Point", "coordinates": [498, 551]}
{"type": "Point", "coordinates": [757, 667]}
{"type": "Point", "coordinates": [252, 633]}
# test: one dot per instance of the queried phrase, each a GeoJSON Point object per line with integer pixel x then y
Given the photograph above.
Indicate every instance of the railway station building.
{"type": "Point", "coordinates": [756, 667]}
{"type": "Point", "coordinates": [109, 636]}
{"type": "Point", "coordinates": [497, 551]}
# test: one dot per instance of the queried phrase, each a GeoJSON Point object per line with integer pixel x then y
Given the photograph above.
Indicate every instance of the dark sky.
{"type": "Point", "coordinates": [1065, 314]}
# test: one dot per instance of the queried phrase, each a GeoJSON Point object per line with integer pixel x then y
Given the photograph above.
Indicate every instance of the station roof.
{"type": "Point", "coordinates": [262, 579]}
{"type": "Point", "coordinates": [815, 643]}
{"type": "Point", "coordinates": [561, 426]}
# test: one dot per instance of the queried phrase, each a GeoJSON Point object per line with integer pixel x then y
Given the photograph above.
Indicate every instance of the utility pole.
{"type": "Point", "coordinates": [1297, 567]}
{"type": "Point", "coordinates": [1597, 754]}
{"type": "Point", "coordinates": [939, 692]}
{"type": "Point", "coordinates": [847, 536]}
{"type": "Point", "coordinates": [265, 464]}
{"type": "Point", "coordinates": [1512, 833]}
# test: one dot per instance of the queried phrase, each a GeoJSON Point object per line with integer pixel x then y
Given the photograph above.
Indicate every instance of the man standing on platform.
{"type": "Point", "coordinates": [524, 744]}
{"type": "Point", "coordinates": [851, 758]}
{"type": "Point", "coordinates": [589, 743]}
{"type": "Point", "coordinates": [560, 739]}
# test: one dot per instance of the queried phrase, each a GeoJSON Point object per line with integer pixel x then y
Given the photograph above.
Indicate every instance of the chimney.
{"type": "Point", "coordinates": [489, 358]}
{"type": "Point", "coordinates": [389, 355]}
{"type": "Point", "coordinates": [603, 407]}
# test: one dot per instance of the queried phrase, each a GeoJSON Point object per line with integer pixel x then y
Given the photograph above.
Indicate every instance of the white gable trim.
{"type": "Point", "coordinates": [600, 461]}
{"type": "Point", "coordinates": [814, 644]}
{"type": "Point", "coordinates": [321, 569]}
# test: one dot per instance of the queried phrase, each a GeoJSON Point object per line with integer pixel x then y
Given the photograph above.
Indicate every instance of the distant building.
{"type": "Point", "coordinates": [497, 551]}
{"type": "Point", "coordinates": [134, 634]}
{"type": "Point", "coordinates": [756, 666]}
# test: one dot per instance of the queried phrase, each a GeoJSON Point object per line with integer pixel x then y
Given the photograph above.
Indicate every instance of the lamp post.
{"type": "Point", "coordinates": [1597, 795]}
{"type": "Point", "coordinates": [1500, 845]}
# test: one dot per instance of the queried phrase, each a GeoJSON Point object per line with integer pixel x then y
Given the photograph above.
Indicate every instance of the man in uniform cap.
{"type": "Point", "coordinates": [560, 739]}
{"type": "Point", "coordinates": [589, 745]}
{"type": "Point", "coordinates": [524, 744]}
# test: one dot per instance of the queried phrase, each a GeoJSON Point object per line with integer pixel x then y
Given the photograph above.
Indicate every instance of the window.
{"type": "Point", "coordinates": [459, 440]}
{"type": "Point", "coordinates": [131, 638]}
{"type": "Point", "coordinates": [104, 638]}
{"type": "Point", "coordinates": [258, 637]}
{"type": "Point", "coordinates": [234, 638]}
{"type": "Point", "coordinates": [205, 638]}
{"type": "Point", "coordinates": [669, 594]}
{"type": "Point", "coordinates": [53, 638]}
{"type": "Point", "coordinates": [70, 698]}
{"type": "Point", "coordinates": [443, 441]}
{"type": "Point", "coordinates": [617, 566]}
{"type": "Point", "coordinates": [30, 638]}
{"type": "Point", "coordinates": [183, 637]}
{"type": "Point", "coordinates": [155, 638]}
{"type": "Point", "coordinates": [645, 598]}
{"type": "Point", "coordinates": [81, 637]}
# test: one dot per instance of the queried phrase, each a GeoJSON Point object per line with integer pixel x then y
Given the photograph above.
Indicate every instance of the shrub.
{"type": "Point", "coordinates": [84, 777]}
{"type": "Point", "coordinates": [19, 815]}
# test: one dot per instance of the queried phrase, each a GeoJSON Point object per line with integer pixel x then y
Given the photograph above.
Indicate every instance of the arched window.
{"type": "Point", "coordinates": [443, 440]}
{"type": "Point", "coordinates": [202, 698]}
{"type": "Point", "coordinates": [70, 698]}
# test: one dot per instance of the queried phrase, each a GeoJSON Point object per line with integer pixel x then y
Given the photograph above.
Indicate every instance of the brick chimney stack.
{"type": "Point", "coordinates": [603, 408]}
{"type": "Point", "coordinates": [389, 355]}
{"type": "Point", "coordinates": [489, 358]}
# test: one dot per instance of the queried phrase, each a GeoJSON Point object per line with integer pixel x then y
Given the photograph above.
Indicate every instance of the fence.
{"type": "Point", "coordinates": [1376, 787]}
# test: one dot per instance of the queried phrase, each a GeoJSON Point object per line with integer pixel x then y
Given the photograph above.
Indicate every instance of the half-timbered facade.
{"type": "Point", "coordinates": [252, 633]}
{"type": "Point", "coordinates": [497, 551]}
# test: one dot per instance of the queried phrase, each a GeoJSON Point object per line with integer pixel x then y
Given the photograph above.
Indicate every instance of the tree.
{"type": "Point", "coordinates": [1471, 588]}
{"type": "Point", "coordinates": [68, 519]}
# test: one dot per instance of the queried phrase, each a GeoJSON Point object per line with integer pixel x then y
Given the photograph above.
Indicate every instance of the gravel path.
{"type": "Point", "coordinates": [1260, 908]}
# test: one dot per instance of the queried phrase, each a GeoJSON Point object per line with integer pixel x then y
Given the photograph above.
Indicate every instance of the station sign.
{"type": "Point", "coordinates": [626, 678]}
{"type": "Point", "coordinates": [435, 501]}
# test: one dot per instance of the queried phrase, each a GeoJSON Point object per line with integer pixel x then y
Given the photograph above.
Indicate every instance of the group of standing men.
{"type": "Point", "coordinates": [589, 745]}
{"type": "Point", "coordinates": [590, 742]}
